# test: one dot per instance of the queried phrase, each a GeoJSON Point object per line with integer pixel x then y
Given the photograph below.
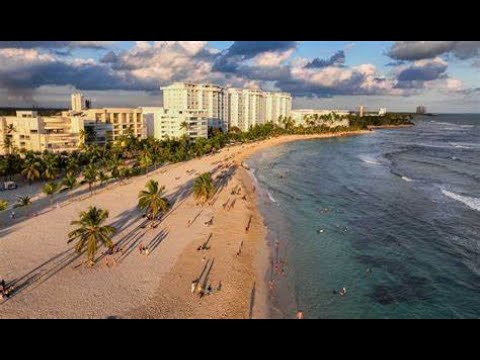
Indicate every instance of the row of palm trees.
{"type": "Point", "coordinates": [131, 156]}
{"type": "Point", "coordinates": [91, 230]}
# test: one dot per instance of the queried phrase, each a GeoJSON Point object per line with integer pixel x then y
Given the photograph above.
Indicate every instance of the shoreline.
{"type": "Point", "coordinates": [157, 286]}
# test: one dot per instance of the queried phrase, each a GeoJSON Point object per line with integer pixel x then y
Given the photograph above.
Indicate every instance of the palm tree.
{"type": "Point", "coordinates": [184, 125]}
{"type": "Point", "coordinates": [102, 177]}
{"type": "Point", "coordinates": [145, 160]}
{"type": "Point", "coordinates": [203, 187]}
{"type": "Point", "coordinates": [23, 201]}
{"type": "Point", "coordinates": [91, 231]}
{"type": "Point", "coordinates": [3, 204]}
{"type": "Point", "coordinates": [31, 170]}
{"type": "Point", "coordinates": [69, 181]}
{"type": "Point", "coordinates": [50, 166]}
{"type": "Point", "coordinates": [113, 165]}
{"type": "Point", "coordinates": [152, 201]}
{"type": "Point", "coordinates": [50, 189]}
{"type": "Point", "coordinates": [8, 138]}
{"type": "Point", "coordinates": [90, 174]}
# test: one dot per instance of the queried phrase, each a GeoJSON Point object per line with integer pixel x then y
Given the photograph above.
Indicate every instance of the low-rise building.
{"type": "Point", "coordinates": [39, 133]}
{"type": "Point", "coordinates": [164, 123]}
{"type": "Point", "coordinates": [122, 121]}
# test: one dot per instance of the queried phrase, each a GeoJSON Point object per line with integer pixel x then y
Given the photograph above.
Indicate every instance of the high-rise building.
{"type": "Point", "coordinates": [362, 110]}
{"type": "Point", "coordinates": [277, 104]}
{"type": "Point", "coordinates": [208, 98]}
{"type": "Point", "coordinates": [421, 109]}
{"type": "Point", "coordinates": [79, 103]}
{"type": "Point", "coordinates": [382, 111]}
{"type": "Point", "coordinates": [241, 108]}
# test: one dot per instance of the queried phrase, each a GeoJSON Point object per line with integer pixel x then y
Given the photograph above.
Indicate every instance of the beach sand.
{"type": "Point", "coordinates": [51, 281]}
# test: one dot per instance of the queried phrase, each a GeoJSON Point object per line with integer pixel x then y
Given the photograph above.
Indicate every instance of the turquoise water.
{"type": "Point", "coordinates": [393, 216]}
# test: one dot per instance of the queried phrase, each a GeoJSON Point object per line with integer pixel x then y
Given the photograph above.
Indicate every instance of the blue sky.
{"type": "Point", "coordinates": [442, 75]}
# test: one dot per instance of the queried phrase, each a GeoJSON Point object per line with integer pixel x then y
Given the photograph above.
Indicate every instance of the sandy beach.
{"type": "Point", "coordinates": [51, 281]}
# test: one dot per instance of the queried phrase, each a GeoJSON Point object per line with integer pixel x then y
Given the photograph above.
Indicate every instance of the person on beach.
{"type": "Point", "coordinates": [342, 291]}
{"type": "Point", "coordinates": [3, 289]}
{"type": "Point", "coordinates": [300, 314]}
{"type": "Point", "coordinates": [12, 215]}
{"type": "Point", "coordinates": [219, 287]}
{"type": "Point", "coordinates": [194, 286]}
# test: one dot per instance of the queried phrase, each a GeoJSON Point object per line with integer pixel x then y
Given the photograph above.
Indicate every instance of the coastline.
{"type": "Point", "coordinates": [157, 286]}
{"type": "Point", "coordinates": [249, 297]}
{"type": "Point", "coordinates": [373, 127]}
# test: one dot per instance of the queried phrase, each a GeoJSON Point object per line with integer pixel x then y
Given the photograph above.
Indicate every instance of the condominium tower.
{"type": "Point", "coordinates": [233, 107]}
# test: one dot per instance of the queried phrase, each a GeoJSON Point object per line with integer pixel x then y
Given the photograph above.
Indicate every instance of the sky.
{"type": "Point", "coordinates": [444, 76]}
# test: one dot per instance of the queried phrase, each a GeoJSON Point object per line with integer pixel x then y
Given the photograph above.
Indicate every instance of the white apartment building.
{"type": "Point", "coordinates": [79, 103]}
{"type": "Point", "coordinates": [246, 107]}
{"type": "Point", "coordinates": [277, 104]}
{"type": "Point", "coordinates": [382, 111]}
{"type": "Point", "coordinates": [162, 123]}
{"type": "Point", "coordinates": [207, 98]}
{"type": "Point", "coordinates": [242, 108]}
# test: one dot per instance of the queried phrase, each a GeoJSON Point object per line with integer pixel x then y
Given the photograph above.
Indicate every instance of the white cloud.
{"type": "Point", "coordinates": [271, 58]}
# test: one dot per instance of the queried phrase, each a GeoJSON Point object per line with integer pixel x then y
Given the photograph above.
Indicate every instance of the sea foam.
{"type": "Point", "coordinates": [271, 197]}
{"type": "Point", "coordinates": [368, 160]}
{"type": "Point", "coordinates": [471, 202]}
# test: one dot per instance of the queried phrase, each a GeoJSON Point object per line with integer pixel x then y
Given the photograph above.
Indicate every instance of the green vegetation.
{"type": "Point", "coordinates": [23, 201]}
{"type": "Point", "coordinates": [390, 119]}
{"type": "Point", "coordinates": [91, 231]}
{"type": "Point", "coordinates": [50, 189]}
{"type": "Point", "coordinates": [203, 188]}
{"type": "Point", "coordinates": [152, 201]}
{"type": "Point", "coordinates": [3, 204]}
{"type": "Point", "coordinates": [131, 156]}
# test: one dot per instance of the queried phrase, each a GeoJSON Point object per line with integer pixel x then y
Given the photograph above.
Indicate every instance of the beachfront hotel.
{"type": "Point", "coordinates": [232, 107]}
{"type": "Point", "coordinates": [39, 133]}
{"type": "Point", "coordinates": [207, 98]}
{"type": "Point", "coordinates": [162, 123]}
{"type": "Point", "coordinates": [120, 121]}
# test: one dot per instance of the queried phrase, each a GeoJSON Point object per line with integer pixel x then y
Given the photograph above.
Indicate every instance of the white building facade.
{"type": "Point", "coordinates": [163, 123]}
{"type": "Point", "coordinates": [232, 107]}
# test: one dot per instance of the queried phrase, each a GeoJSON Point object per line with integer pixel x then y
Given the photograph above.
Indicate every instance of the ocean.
{"type": "Point", "coordinates": [393, 216]}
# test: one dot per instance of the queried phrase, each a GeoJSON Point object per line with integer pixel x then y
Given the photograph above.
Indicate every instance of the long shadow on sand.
{"type": "Point", "coordinates": [43, 272]}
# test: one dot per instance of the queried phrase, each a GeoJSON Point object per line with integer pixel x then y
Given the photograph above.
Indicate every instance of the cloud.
{"type": "Point", "coordinates": [146, 66]}
{"type": "Point", "coordinates": [331, 80]}
{"type": "Point", "coordinates": [55, 44]}
{"type": "Point", "coordinates": [23, 70]}
{"type": "Point", "coordinates": [249, 49]}
{"type": "Point", "coordinates": [231, 59]}
{"type": "Point", "coordinates": [417, 50]}
{"type": "Point", "coordinates": [419, 72]}
{"type": "Point", "coordinates": [336, 59]}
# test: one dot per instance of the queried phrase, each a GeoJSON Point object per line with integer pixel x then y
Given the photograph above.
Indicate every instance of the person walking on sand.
{"type": "Point", "coordinates": [194, 286]}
